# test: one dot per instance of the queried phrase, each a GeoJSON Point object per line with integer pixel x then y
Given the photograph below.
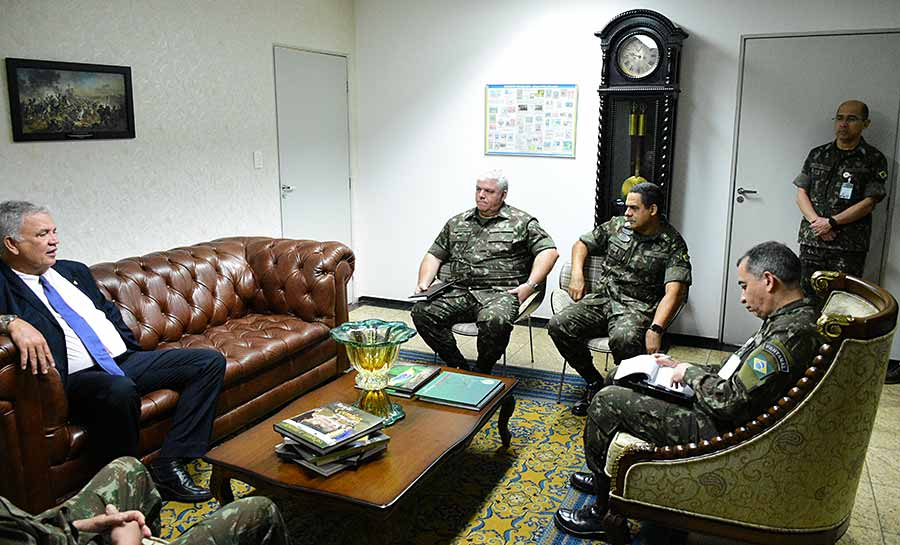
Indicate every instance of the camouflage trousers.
{"type": "Point", "coordinates": [617, 408]}
{"type": "Point", "coordinates": [572, 327]}
{"type": "Point", "coordinates": [493, 311]}
{"type": "Point", "coordinates": [813, 258]}
{"type": "Point", "coordinates": [125, 483]}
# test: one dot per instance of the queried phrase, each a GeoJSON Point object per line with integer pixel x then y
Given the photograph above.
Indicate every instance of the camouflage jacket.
{"type": "Point", "coordinates": [636, 268]}
{"type": "Point", "coordinates": [769, 362]}
{"type": "Point", "coordinates": [835, 180]}
{"type": "Point", "coordinates": [487, 253]}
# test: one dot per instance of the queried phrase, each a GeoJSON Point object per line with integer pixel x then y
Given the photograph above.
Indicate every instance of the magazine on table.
{"type": "Point", "coordinates": [406, 378]}
{"type": "Point", "coordinates": [354, 448]}
{"type": "Point", "coordinates": [327, 428]}
{"type": "Point", "coordinates": [328, 469]}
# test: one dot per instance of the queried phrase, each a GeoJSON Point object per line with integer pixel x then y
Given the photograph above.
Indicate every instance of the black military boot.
{"type": "Point", "coordinates": [581, 406]}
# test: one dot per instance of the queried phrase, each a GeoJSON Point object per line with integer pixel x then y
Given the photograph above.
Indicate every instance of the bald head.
{"type": "Point", "coordinates": [851, 119]}
{"type": "Point", "coordinates": [856, 106]}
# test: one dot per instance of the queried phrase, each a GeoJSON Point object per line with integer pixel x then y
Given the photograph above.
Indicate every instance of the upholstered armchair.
{"type": "Point", "coordinates": [790, 475]}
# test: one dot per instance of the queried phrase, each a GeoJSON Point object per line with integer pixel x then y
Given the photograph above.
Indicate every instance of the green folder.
{"type": "Point", "coordinates": [459, 390]}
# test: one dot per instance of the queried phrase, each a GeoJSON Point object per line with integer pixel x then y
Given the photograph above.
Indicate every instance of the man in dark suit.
{"type": "Point", "coordinates": [56, 316]}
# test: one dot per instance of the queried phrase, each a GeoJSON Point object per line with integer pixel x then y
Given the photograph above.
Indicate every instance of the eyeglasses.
{"type": "Point", "coordinates": [846, 118]}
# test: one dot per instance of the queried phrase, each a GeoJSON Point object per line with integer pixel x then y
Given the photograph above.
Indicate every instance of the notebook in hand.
{"type": "Point", "coordinates": [644, 374]}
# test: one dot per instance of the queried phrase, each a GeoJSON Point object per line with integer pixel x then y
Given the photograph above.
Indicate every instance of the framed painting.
{"type": "Point", "coordinates": [51, 100]}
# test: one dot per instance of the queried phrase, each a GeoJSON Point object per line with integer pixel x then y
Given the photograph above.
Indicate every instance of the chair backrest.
{"type": "Point", "coordinates": [593, 274]}
{"type": "Point", "coordinates": [797, 466]}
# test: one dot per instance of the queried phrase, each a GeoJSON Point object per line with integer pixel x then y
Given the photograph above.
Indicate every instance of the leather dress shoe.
{"type": "Point", "coordinates": [580, 407]}
{"type": "Point", "coordinates": [174, 483]}
{"type": "Point", "coordinates": [586, 523]}
{"type": "Point", "coordinates": [893, 374]}
{"type": "Point", "coordinates": [583, 481]}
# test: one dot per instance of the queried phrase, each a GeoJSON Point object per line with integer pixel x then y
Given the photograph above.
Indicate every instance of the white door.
{"type": "Point", "coordinates": [313, 144]}
{"type": "Point", "coordinates": [789, 91]}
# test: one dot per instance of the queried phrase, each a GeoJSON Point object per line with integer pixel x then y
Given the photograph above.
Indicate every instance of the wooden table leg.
{"type": "Point", "coordinates": [220, 485]}
{"type": "Point", "coordinates": [506, 410]}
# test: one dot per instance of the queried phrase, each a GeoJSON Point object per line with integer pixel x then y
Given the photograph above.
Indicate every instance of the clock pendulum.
{"type": "Point", "coordinates": [637, 130]}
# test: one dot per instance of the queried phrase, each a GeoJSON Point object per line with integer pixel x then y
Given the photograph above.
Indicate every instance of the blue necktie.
{"type": "Point", "coordinates": [81, 328]}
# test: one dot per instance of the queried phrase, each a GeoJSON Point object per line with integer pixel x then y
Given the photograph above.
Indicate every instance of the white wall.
{"type": "Point", "coordinates": [204, 100]}
{"type": "Point", "coordinates": [422, 66]}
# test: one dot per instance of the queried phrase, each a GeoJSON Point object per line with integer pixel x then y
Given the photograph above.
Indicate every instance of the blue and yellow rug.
{"type": "Point", "coordinates": [486, 495]}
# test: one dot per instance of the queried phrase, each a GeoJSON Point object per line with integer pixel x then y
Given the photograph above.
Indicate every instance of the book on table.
{"type": "Point", "coordinates": [328, 469]}
{"type": "Point", "coordinates": [405, 378]}
{"type": "Point", "coordinates": [644, 374]}
{"type": "Point", "coordinates": [327, 428]}
{"type": "Point", "coordinates": [433, 290]}
{"type": "Point", "coordinates": [460, 390]}
{"type": "Point", "coordinates": [366, 443]}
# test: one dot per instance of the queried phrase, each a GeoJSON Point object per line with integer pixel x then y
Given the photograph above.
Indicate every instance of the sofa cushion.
{"type": "Point", "coordinates": [255, 342]}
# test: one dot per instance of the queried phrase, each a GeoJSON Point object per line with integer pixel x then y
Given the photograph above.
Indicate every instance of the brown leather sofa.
{"type": "Point", "coordinates": [266, 304]}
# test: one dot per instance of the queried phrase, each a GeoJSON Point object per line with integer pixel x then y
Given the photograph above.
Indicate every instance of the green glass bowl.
{"type": "Point", "coordinates": [372, 333]}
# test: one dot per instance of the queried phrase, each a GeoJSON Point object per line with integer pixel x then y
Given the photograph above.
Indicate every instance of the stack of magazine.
{"type": "Point", "coordinates": [330, 438]}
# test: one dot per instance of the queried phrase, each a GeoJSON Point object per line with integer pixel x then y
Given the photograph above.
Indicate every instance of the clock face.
{"type": "Point", "coordinates": [638, 56]}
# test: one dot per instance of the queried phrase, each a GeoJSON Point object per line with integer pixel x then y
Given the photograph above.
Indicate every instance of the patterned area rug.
{"type": "Point", "coordinates": [485, 495]}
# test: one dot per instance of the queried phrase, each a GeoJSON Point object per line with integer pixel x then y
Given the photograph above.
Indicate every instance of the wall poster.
{"type": "Point", "coordinates": [530, 119]}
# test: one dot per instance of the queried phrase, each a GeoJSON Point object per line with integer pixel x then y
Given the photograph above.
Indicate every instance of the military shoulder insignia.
{"type": "Point", "coordinates": [685, 257]}
{"type": "Point", "coordinates": [769, 358]}
{"type": "Point", "coordinates": [882, 174]}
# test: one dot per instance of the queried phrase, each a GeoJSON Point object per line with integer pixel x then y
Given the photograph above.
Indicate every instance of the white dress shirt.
{"type": "Point", "coordinates": [79, 357]}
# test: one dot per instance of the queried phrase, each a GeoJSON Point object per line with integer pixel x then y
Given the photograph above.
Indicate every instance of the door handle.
{"type": "Point", "coordinates": [742, 191]}
{"type": "Point", "coordinates": [287, 188]}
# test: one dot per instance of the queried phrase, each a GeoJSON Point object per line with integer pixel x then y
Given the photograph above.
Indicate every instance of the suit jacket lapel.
{"type": "Point", "coordinates": [18, 287]}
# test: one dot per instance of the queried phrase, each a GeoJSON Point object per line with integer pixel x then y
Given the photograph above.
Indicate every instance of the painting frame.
{"type": "Point", "coordinates": [54, 100]}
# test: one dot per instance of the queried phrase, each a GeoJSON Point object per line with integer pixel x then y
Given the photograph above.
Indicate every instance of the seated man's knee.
{"type": "Point", "coordinates": [496, 324]}
{"type": "Point", "coordinates": [121, 394]}
{"type": "Point", "coordinates": [626, 342]}
{"type": "Point", "coordinates": [420, 314]}
{"type": "Point", "coordinates": [555, 327]}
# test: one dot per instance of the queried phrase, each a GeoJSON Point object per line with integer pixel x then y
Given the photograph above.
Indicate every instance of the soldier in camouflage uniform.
{"type": "Point", "coordinates": [725, 397]}
{"type": "Point", "coordinates": [121, 506]}
{"type": "Point", "coordinates": [646, 272]}
{"type": "Point", "coordinates": [839, 185]}
{"type": "Point", "coordinates": [498, 255]}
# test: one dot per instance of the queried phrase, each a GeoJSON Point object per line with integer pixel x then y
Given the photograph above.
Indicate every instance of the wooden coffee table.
{"type": "Point", "coordinates": [429, 435]}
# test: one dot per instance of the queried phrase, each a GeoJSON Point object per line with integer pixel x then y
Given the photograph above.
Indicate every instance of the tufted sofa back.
{"type": "Point", "coordinates": [166, 295]}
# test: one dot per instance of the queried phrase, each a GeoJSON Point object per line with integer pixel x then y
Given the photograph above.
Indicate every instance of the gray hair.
{"type": "Point", "coordinates": [497, 176]}
{"type": "Point", "coordinates": [13, 214]}
{"type": "Point", "coordinates": [775, 258]}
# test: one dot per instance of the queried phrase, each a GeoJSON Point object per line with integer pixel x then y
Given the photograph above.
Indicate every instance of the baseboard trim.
{"type": "Point", "coordinates": [679, 339]}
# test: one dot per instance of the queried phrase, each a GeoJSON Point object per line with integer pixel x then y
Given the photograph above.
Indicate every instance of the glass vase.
{"type": "Point", "coordinates": [372, 347]}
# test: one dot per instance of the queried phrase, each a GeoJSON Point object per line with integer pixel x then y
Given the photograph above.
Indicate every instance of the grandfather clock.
{"type": "Point", "coordinates": [639, 86]}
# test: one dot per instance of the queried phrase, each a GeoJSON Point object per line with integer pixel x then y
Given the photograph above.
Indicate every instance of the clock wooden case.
{"type": "Point", "coordinates": [639, 87]}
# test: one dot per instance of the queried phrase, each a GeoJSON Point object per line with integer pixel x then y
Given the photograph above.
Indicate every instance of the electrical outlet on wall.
{"type": "Point", "coordinates": [257, 159]}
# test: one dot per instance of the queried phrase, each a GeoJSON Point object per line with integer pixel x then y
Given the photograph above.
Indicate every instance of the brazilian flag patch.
{"type": "Point", "coordinates": [767, 359]}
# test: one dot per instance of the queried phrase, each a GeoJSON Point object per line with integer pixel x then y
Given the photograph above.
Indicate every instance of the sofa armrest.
{"type": "Point", "coordinates": [25, 398]}
{"type": "Point", "coordinates": [305, 278]}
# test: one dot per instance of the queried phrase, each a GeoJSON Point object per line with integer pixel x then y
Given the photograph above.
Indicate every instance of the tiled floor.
{"type": "Point", "coordinates": [876, 514]}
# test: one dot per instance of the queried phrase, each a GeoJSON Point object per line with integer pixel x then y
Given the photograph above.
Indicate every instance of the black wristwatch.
{"type": "Point", "coordinates": [658, 329]}
{"type": "Point", "coordinates": [5, 320]}
{"type": "Point", "coordinates": [833, 223]}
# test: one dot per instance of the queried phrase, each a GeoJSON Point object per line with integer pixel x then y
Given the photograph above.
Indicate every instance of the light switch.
{"type": "Point", "coordinates": [257, 159]}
